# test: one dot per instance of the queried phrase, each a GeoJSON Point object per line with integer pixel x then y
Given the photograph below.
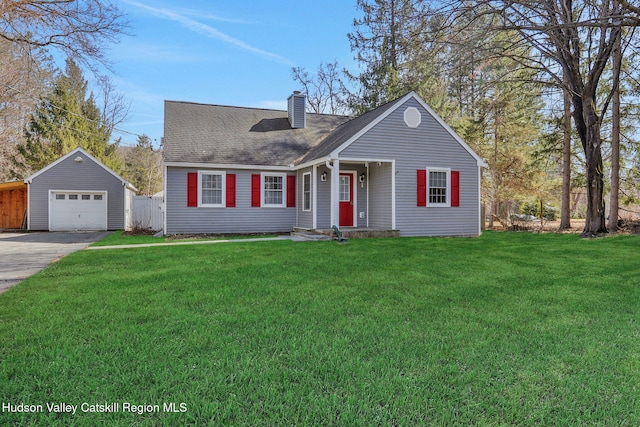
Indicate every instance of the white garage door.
{"type": "Point", "coordinates": [70, 210]}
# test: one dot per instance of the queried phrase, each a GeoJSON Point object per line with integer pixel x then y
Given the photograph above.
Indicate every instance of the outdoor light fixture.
{"type": "Point", "coordinates": [78, 159]}
{"type": "Point", "coordinates": [323, 177]}
{"type": "Point", "coordinates": [362, 177]}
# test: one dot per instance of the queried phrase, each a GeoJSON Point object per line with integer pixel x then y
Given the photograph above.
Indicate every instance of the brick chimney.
{"type": "Point", "coordinates": [296, 104]}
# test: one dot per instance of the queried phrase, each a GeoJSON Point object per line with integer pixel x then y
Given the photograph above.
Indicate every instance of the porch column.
{"type": "Point", "coordinates": [314, 197]}
{"type": "Point", "coordinates": [335, 193]}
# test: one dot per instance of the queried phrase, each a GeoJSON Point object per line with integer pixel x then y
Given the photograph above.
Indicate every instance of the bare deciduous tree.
{"type": "Point", "coordinates": [80, 29]}
{"type": "Point", "coordinates": [115, 107]}
{"type": "Point", "coordinates": [326, 93]}
{"type": "Point", "coordinates": [24, 78]}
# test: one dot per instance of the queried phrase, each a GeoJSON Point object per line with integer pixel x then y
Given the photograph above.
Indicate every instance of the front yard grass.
{"type": "Point", "coordinates": [505, 329]}
{"type": "Point", "coordinates": [120, 238]}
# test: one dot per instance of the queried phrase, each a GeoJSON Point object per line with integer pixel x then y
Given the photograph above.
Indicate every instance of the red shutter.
{"type": "Point", "coordinates": [255, 191]}
{"type": "Point", "coordinates": [192, 189]}
{"type": "Point", "coordinates": [291, 191]}
{"type": "Point", "coordinates": [455, 188]}
{"type": "Point", "coordinates": [422, 187]}
{"type": "Point", "coordinates": [231, 190]}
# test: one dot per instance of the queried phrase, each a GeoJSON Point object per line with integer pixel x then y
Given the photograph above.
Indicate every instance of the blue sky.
{"type": "Point", "coordinates": [222, 52]}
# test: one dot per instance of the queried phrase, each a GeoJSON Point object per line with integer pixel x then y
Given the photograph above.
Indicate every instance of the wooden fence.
{"type": "Point", "coordinates": [13, 205]}
{"type": "Point", "coordinates": [148, 213]}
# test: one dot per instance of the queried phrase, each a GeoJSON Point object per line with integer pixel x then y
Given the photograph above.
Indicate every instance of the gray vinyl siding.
{"type": "Point", "coordinates": [380, 196]}
{"type": "Point", "coordinates": [215, 220]}
{"type": "Point", "coordinates": [428, 145]}
{"type": "Point", "coordinates": [76, 176]}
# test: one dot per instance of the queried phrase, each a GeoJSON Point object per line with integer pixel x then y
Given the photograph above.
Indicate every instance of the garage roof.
{"type": "Point", "coordinates": [83, 152]}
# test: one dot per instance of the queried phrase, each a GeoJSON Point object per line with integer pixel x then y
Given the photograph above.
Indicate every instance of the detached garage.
{"type": "Point", "coordinates": [78, 192]}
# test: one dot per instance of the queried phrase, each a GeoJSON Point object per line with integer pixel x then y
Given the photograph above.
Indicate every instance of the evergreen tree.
{"type": "Point", "coordinates": [384, 41]}
{"type": "Point", "coordinates": [504, 129]}
{"type": "Point", "coordinates": [67, 118]}
{"type": "Point", "coordinates": [490, 101]}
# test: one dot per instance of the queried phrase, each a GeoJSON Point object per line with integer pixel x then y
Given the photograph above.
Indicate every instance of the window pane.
{"type": "Point", "coordinates": [211, 189]}
{"type": "Point", "coordinates": [273, 183]}
{"type": "Point", "coordinates": [73, 197]}
{"type": "Point", "coordinates": [345, 188]}
{"type": "Point", "coordinates": [97, 197]}
{"type": "Point", "coordinates": [86, 197]}
{"type": "Point", "coordinates": [437, 187]}
{"type": "Point", "coordinates": [306, 192]}
{"type": "Point", "coordinates": [212, 182]}
{"type": "Point", "coordinates": [273, 194]}
{"type": "Point", "coordinates": [59, 196]}
{"type": "Point", "coordinates": [272, 197]}
{"type": "Point", "coordinates": [211, 197]}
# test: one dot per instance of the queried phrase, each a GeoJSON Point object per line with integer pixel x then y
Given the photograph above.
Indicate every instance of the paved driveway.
{"type": "Point", "coordinates": [24, 254]}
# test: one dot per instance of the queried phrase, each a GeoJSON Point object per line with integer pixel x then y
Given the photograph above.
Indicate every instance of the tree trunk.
{"type": "Point", "coordinates": [592, 143]}
{"type": "Point", "coordinates": [494, 173]}
{"type": "Point", "coordinates": [565, 214]}
{"type": "Point", "coordinates": [615, 138]}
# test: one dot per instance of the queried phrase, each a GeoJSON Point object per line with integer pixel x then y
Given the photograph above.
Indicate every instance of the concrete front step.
{"type": "Point", "coordinates": [309, 236]}
{"type": "Point", "coordinates": [348, 233]}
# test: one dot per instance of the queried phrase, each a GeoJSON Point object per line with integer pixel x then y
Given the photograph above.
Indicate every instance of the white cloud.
{"type": "Point", "coordinates": [209, 31]}
{"type": "Point", "coordinates": [210, 17]}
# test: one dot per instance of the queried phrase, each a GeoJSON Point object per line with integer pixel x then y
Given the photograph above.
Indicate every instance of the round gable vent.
{"type": "Point", "coordinates": [412, 117]}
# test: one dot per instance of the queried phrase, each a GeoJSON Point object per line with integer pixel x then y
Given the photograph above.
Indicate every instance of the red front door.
{"type": "Point", "coordinates": [346, 200]}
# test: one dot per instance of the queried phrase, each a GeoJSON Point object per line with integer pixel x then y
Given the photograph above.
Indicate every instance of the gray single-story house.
{"type": "Point", "coordinates": [78, 192]}
{"type": "Point", "coordinates": [249, 170]}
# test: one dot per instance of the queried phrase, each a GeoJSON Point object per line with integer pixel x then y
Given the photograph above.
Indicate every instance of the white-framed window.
{"type": "Point", "coordinates": [438, 187]}
{"type": "Point", "coordinates": [211, 189]}
{"type": "Point", "coordinates": [306, 191]}
{"type": "Point", "coordinates": [274, 190]}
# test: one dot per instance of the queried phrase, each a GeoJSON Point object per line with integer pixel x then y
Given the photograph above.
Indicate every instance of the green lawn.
{"type": "Point", "coordinates": [118, 238]}
{"type": "Point", "coordinates": [506, 329]}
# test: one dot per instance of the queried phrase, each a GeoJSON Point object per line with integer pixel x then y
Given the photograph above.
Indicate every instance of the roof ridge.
{"type": "Point", "coordinates": [255, 108]}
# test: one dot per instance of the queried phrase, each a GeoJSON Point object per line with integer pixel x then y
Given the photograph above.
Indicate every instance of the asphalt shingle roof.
{"type": "Point", "coordinates": [203, 133]}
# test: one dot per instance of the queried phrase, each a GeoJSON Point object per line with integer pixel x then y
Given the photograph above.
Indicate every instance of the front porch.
{"type": "Point", "coordinates": [357, 195]}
